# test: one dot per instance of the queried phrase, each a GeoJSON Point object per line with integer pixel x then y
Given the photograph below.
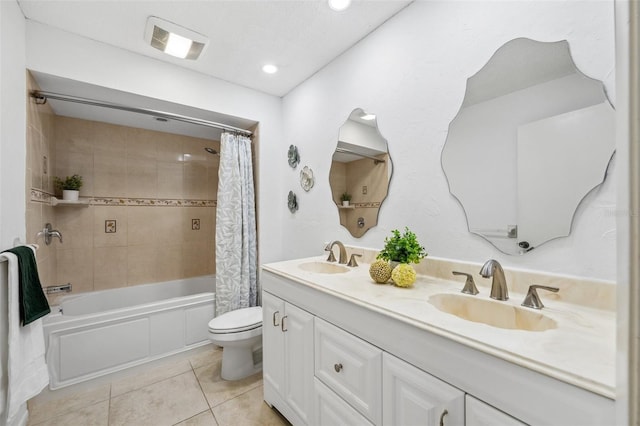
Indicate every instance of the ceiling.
{"type": "Point", "coordinates": [299, 36]}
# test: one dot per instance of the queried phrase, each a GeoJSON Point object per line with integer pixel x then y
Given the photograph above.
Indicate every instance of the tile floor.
{"type": "Point", "coordinates": [184, 390]}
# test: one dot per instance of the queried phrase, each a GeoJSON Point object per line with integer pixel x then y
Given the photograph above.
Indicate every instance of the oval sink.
{"type": "Point", "coordinates": [493, 313]}
{"type": "Point", "coordinates": [323, 268]}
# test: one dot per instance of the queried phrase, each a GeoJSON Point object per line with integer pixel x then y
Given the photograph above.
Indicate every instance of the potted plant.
{"type": "Point", "coordinates": [70, 187]}
{"type": "Point", "coordinates": [400, 250]}
{"type": "Point", "coordinates": [345, 198]}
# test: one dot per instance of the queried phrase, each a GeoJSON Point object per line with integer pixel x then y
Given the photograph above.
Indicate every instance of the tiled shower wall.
{"type": "Point", "coordinates": [354, 177]}
{"type": "Point", "coordinates": [151, 215]}
{"type": "Point", "coordinates": [40, 157]}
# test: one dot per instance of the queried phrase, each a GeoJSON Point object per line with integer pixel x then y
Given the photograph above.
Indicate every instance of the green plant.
{"type": "Point", "coordinates": [72, 183]}
{"type": "Point", "coordinates": [345, 196]}
{"type": "Point", "coordinates": [403, 248]}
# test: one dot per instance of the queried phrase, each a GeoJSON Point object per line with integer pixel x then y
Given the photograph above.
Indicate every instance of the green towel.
{"type": "Point", "coordinates": [33, 303]}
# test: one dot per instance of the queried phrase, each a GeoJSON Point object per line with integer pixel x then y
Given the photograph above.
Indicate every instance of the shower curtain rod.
{"type": "Point", "coordinates": [41, 97]}
{"type": "Point", "coordinates": [348, 151]}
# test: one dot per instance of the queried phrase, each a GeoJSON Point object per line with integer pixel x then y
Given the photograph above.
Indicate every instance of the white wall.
{"type": "Point", "coordinates": [12, 125]}
{"type": "Point", "coordinates": [412, 74]}
{"type": "Point", "coordinates": [12, 155]}
{"type": "Point", "coordinates": [63, 54]}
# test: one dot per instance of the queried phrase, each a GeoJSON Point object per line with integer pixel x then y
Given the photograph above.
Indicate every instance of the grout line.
{"type": "Point", "coordinates": [195, 415]}
{"type": "Point", "coordinates": [151, 383]}
{"type": "Point", "coordinates": [109, 408]}
{"type": "Point", "coordinates": [201, 389]}
{"type": "Point", "coordinates": [238, 395]}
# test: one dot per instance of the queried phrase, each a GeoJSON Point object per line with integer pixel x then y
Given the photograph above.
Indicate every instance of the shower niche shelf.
{"type": "Point", "coordinates": [80, 203]}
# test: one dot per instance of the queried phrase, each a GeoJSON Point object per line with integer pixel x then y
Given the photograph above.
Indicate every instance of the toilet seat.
{"type": "Point", "coordinates": [237, 321]}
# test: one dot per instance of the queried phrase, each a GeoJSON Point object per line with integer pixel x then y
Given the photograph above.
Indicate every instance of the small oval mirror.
{"type": "Point", "coordinates": [360, 172]}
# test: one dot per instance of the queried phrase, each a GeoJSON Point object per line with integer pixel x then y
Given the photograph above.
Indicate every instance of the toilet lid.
{"type": "Point", "coordinates": [236, 321]}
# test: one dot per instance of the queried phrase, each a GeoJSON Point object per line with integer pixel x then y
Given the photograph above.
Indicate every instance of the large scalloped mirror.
{"type": "Point", "coordinates": [532, 138]}
{"type": "Point", "coordinates": [360, 172]}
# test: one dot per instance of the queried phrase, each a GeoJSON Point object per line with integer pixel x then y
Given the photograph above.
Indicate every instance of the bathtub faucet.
{"type": "Point", "coordinates": [48, 232]}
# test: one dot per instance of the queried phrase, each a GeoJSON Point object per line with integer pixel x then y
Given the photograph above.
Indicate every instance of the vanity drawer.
{"type": "Point", "coordinates": [351, 367]}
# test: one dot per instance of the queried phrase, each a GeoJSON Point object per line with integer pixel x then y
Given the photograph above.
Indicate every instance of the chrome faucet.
{"type": "Point", "coordinates": [343, 252]}
{"type": "Point", "coordinates": [492, 268]}
{"type": "Point", "coordinates": [48, 233]}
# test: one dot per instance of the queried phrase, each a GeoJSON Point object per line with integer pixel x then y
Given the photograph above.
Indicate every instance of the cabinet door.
{"type": "Point", "coordinates": [297, 328]}
{"type": "Point", "coordinates": [482, 414]}
{"type": "Point", "coordinates": [330, 409]}
{"type": "Point", "coordinates": [411, 396]}
{"type": "Point", "coordinates": [272, 347]}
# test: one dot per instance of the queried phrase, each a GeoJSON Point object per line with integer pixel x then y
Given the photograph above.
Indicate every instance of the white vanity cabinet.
{"type": "Point", "coordinates": [288, 358]}
{"type": "Point", "coordinates": [480, 414]}
{"type": "Point", "coordinates": [347, 362]}
{"type": "Point", "coordinates": [412, 397]}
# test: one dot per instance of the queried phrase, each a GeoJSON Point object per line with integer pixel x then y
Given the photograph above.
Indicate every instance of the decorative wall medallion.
{"type": "Point", "coordinates": [294, 156]}
{"type": "Point", "coordinates": [195, 224]}
{"type": "Point", "coordinates": [292, 202]}
{"type": "Point", "coordinates": [306, 178]}
{"type": "Point", "coordinates": [110, 226]}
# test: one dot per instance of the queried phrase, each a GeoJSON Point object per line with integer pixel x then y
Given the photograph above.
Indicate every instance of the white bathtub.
{"type": "Point", "coordinates": [93, 334]}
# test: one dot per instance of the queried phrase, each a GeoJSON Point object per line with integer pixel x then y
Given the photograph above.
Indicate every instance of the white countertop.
{"type": "Point", "coordinates": [580, 351]}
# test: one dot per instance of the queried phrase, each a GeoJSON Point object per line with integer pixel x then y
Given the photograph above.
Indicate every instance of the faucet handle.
{"type": "Point", "coordinates": [532, 300]}
{"type": "Point", "coordinates": [332, 257]}
{"type": "Point", "coordinates": [469, 285]}
{"type": "Point", "coordinates": [352, 260]}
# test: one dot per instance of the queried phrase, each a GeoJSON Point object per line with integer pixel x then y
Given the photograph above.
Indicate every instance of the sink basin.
{"type": "Point", "coordinates": [323, 268]}
{"type": "Point", "coordinates": [493, 313]}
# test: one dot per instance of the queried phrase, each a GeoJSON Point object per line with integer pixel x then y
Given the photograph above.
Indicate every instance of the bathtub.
{"type": "Point", "coordinates": [92, 334]}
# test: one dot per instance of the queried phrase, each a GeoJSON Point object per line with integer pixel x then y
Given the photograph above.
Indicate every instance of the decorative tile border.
{"type": "Point", "coordinates": [39, 196]}
{"type": "Point", "coordinates": [368, 205]}
{"type": "Point", "coordinates": [156, 202]}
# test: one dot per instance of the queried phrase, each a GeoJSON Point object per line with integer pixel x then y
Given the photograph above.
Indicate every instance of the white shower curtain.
{"type": "Point", "coordinates": [236, 257]}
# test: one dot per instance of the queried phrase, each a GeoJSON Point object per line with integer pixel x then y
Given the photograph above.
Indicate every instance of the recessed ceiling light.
{"type": "Point", "coordinates": [174, 39]}
{"type": "Point", "coordinates": [368, 117]}
{"type": "Point", "coordinates": [270, 69]}
{"type": "Point", "coordinates": [339, 5]}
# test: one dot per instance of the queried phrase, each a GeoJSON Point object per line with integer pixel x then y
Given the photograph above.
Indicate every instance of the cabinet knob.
{"type": "Point", "coordinates": [276, 322]}
{"type": "Point", "coordinates": [337, 367]}
{"type": "Point", "coordinates": [444, 413]}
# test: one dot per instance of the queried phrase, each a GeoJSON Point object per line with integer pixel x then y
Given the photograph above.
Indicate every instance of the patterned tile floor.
{"type": "Point", "coordinates": [185, 389]}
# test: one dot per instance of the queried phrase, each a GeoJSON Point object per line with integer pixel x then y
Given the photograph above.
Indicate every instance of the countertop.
{"type": "Point", "coordinates": [579, 351]}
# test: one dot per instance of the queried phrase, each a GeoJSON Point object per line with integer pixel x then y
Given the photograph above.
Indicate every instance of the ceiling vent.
{"type": "Point", "coordinates": [174, 39]}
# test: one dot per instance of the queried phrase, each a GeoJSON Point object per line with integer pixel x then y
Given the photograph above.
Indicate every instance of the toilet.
{"type": "Point", "coordinates": [239, 333]}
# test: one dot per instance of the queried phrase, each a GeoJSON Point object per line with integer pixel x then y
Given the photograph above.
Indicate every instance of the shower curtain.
{"type": "Point", "coordinates": [236, 257]}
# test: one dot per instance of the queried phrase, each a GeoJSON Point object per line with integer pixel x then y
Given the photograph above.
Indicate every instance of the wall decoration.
{"type": "Point", "coordinates": [292, 202]}
{"type": "Point", "coordinates": [293, 156]}
{"type": "Point", "coordinates": [110, 226]}
{"type": "Point", "coordinates": [306, 178]}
